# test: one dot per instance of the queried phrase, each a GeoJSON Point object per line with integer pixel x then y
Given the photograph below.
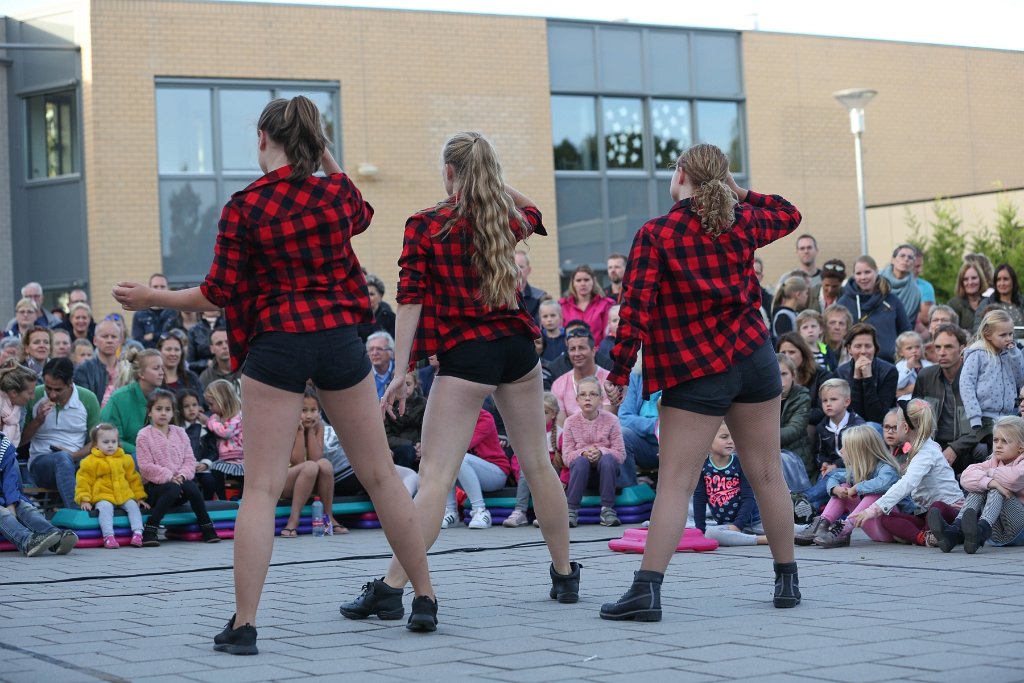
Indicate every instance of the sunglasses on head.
{"type": "Point", "coordinates": [834, 267]}
{"type": "Point", "coordinates": [576, 333]}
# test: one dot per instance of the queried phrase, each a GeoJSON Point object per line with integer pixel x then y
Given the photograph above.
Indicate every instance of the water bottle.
{"type": "Point", "coordinates": [318, 517]}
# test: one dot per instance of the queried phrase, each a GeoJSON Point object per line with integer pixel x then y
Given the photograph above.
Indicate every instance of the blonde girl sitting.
{"type": "Point", "coordinates": [870, 471]}
{"type": "Point", "coordinates": [994, 510]}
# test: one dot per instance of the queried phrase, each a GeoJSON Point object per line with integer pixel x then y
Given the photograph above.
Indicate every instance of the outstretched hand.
{"type": "Point", "coordinates": [394, 392]}
{"type": "Point", "coordinates": [872, 512]}
{"type": "Point", "coordinates": [132, 296]}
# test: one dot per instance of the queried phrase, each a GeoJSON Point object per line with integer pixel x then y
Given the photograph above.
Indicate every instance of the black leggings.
{"type": "Point", "coordinates": [163, 497]}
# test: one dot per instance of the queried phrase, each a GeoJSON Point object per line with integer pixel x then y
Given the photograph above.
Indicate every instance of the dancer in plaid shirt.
{"type": "Point", "coordinates": [459, 286]}
{"type": "Point", "coordinates": [692, 298]}
{"type": "Point", "coordinates": [293, 294]}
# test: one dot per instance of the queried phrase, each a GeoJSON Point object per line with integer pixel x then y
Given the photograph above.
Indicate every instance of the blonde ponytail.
{"type": "Point", "coordinates": [708, 167]}
{"type": "Point", "coordinates": [482, 200]}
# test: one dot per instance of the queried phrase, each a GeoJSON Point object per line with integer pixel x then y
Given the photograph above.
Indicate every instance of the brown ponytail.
{"type": "Point", "coordinates": [295, 125]}
{"type": "Point", "coordinates": [482, 199]}
{"type": "Point", "coordinates": [708, 167]}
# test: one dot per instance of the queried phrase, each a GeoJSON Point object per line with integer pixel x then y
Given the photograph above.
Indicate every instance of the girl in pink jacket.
{"type": "Point", "coordinates": [994, 510]}
{"type": "Point", "coordinates": [168, 468]}
{"type": "Point", "coordinates": [592, 443]}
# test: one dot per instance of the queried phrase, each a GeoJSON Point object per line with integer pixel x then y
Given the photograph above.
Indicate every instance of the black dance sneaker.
{"type": "Point", "coordinates": [423, 617]}
{"type": "Point", "coordinates": [787, 585]}
{"type": "Point", "coordinates": [236, 641]}
{"type": "Point", "coordinates": [377, 598]}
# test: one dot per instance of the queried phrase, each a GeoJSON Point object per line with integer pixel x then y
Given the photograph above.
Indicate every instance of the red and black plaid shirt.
{"type": "Point", "coordinates": [437, 272]}
{"type": "Point", "coordinates": [284, 261]}
{"type": "Point", "coordinates": [692, 299]}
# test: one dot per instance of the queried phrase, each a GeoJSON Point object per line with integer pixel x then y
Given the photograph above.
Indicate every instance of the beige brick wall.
{"type": "Point", "coordinates": [945, 122]}
{"type": "Point", "coordinates": [408, 80]}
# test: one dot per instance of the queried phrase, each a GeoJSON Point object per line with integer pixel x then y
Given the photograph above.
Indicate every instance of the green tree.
{"type": "Point", "coordinates": [943, 249]}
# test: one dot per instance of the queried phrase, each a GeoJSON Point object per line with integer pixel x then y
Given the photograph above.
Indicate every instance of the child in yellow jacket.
{"type": "Point", "coordinates": [107, 479]}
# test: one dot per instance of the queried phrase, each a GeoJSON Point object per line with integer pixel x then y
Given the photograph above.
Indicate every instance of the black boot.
{"type": "Point", "coordinates": [948, 535]}
{"type": "Point", "coordinates": [642, 602]}
{"type": "Point", "coordinates": [149, 536]}
{"type": "Point", "coordinates": [787, 585]}
{"type": "Point", "coordinates": [377, 598]}
{"type": "Point", "coordinates": [976, 531]}
{"type": "Point", "coordinates": [236, 641]}
{"type": "Point", "coordinates": [566, 587]}
{"type": "Point", "coordinates": [423, 617]}
{"type": "Point", "coordinates": [209, 533]}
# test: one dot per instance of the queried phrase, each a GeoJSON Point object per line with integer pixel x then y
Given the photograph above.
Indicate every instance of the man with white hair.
{"type": "Point", "coordinates": [34, 291]}
{"type": "Point", "coordinates": [381, 348]}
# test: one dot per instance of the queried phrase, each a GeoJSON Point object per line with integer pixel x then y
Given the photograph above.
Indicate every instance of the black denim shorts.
{"type": "Point", "coordinates": [754, 379]}
{"type": "Point", "coordinates": [489, 362]}
{"type": "Point", "coordinates": [334, 359]}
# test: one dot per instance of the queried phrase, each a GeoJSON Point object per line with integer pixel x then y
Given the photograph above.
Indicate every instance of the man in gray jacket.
{"type": "Point", "coordinates": [939, 384]}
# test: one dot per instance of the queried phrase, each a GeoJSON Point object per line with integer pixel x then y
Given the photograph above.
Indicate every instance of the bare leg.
{"type": "Point", "coordinates": [685, 440]}
{"type": "Point", "coordinates": [522, 406]}
{"type": "Point", "coordinates": [355, 414]}
{"type": "Point", "coordinates": [452, 412]}
{"type": "Point", "coordinates": [268, 425]}
{"type": "Point", "coordinates": [299, 486]}
{"type": "Point", "coordinates": [754, 430]}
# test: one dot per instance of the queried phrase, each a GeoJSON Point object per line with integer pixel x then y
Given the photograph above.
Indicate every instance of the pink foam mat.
{"type": "Point", "coordinates": [634, 541]}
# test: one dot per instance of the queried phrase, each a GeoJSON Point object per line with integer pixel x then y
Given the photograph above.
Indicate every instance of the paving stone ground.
{"type": "Point", "coordinates": [871, 613]}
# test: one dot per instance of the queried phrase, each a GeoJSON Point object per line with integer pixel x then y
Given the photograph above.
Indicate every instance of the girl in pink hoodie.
{"type": "Point", "coordinates": [994, 510]}
{"type": "Point", "coordinates": [168, 468]}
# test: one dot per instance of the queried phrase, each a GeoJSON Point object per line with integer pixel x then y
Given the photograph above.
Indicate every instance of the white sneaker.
{"type": "Point", "coordinates": [450, 518]}
{"type": "Point", "coordinates": [481, 519]}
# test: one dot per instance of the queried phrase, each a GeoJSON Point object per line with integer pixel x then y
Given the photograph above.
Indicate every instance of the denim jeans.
{"type": "Point", "coordinates": [19, 527]}
{"type": "Point", "coordinates": [640, 454]}
{"type": "Point", "coordinates": [56, 470]}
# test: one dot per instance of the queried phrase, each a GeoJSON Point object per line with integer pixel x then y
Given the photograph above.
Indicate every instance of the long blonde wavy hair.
{"type": "Point", "coordinates": [481, 198]}
{"type": "Point", "coordinates": [708, 167]}
{"type": "Point", "coordinates": [863, 449]}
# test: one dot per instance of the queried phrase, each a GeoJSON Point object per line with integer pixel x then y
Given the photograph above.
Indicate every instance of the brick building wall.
{"type": "Point", "coordinates": [943, 123]}
{"type": "Point", "coordinates": [407, 80]}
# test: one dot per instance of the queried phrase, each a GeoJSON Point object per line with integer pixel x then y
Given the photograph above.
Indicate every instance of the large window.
{"type": "Point", "coordinates": [206, 150]}
{"type": "Point", "coordinates": [626, 101]}
{"type": "Point", "coordinates": [52, 134]}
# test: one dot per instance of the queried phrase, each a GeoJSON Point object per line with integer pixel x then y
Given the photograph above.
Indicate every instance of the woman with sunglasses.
{"type": "Point", "coordinates": [458, 297]}
{"type": "Point", "coordinates": [690, 296]}
{"type": "Point", "coordinates": [294, 294]}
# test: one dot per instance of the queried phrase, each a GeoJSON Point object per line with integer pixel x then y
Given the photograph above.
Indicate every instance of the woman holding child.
{"type": "Point", "coordinates": [690, 294]}
{"type": "Point", "coordinates": [283, 243]}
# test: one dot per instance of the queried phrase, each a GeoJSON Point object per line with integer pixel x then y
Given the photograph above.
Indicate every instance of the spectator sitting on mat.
{"type": "Point", "coordinates": [723, 487]}
{"type": "Point", "coordinates": [308, 450]}
{"type": "Point", "coordinates": [405, 430]}
{"type": "Point", "coordinates": [21, 523]}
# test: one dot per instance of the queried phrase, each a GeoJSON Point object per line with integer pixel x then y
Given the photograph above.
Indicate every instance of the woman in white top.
{"type": "Point", "coordinates": [927, 479]}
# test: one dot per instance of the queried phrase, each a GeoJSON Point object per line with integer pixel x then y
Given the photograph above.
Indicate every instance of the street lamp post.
{"type": "Point", "coordinates": [855, 99]}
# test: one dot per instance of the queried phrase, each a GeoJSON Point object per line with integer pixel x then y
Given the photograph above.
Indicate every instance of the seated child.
{"type": "Point", "coordinates": [811, 325]}
{"type": "Point", "coordinates": [225, 421]}
{"type": "Point", "coordinates": [189, 416]}
{"type": "Point", "coordinates": [518, 516]}
{"type": "Point", "coordinates": [21, 522]}
{"type": "Point", "coordinates": [107, 479]}
{"type": "Point", "coordinates": [405, 430]}
{"type": "Point", "coordinates": [993, 511]}
{"type": "Point", "coordinates": [485, 468]}
{"type": "Point", "coordinates": [308, 451]}
{"type": "Point", "coordinates": [870, 471]}
{"type": "Point", "coordinates": [723, 487]}
{"type": "Point", "coordinates": [168, 468]}
{"type": "Point", "coordinates": [910, 352]}
{"type": "Point", "coordinates": [592, 444]}
{"type": "Point", "coordinates": [550, 313]}
{"type": "Point", "coordinates": [835, 401]}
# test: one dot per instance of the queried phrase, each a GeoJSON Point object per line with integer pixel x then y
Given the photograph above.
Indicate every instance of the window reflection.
{"type": "Point", "coordinates": [239, 113]}
{"type": "Point", "coordinates": [183, 125]}
{"type": "Point", "coordinates": [623, 132]}
{"type": "Point", "coordinates": [670, 126]}
{"type": "Point", "coordinates": [574, 133]}
{"type": "Point", "coordinates": [719, 124]}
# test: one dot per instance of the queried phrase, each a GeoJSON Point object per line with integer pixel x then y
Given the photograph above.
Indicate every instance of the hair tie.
{"type": "Point", "coordinates": [906, 414]}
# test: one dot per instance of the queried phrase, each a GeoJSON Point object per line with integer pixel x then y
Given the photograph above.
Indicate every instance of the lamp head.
{"type": "Point", "coordinates": [854, 98]}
